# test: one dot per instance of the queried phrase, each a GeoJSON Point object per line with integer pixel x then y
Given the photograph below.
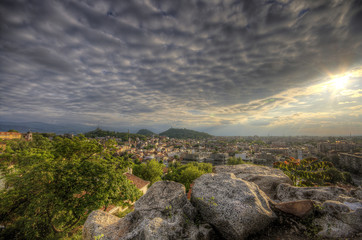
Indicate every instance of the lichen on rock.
{"type": "Point", "coordinates": [234, 207]}
{"type": "Point", "coordinates": [228, 206]}
{"type": "Point", "coordinates": [266, 178]}
{"type": "Point", "coordinates": [162, 213]}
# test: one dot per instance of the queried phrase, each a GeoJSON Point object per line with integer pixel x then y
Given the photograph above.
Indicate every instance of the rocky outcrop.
{"type": "Point", "coordinates": [98, 223]}
{"type": "Point", "coordinates": [340, 209]}
{"type": "Point", "coordinates": [339, 220]}
{"type": "Point", "coordinates": [300, 208]}
{"type": "Point", "coordinates": [226, 206]}
{"type": "Point", "coordinates": [162, 213]}
{"type": "Point", "coordinates": [234, 207]}
{"type": "Point", "coordinates": [286, 192]}
{"type": "Point", "coordinates": [266, 178]}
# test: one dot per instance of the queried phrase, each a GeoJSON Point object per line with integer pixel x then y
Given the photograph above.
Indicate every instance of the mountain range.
{"type": "Point", "coordinates": [79, 128]}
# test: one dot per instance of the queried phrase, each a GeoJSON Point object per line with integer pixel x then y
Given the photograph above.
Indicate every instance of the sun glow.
{"type": "Point", "coordinates": [340, 81]}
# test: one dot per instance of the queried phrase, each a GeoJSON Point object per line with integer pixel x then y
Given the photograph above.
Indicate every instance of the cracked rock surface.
{"type": "Point", "coordinates": [234, 207]}
{"type": "Point", "coordinates": [162, 213]}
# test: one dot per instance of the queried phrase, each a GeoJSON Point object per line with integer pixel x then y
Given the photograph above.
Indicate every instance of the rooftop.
{"type": "Point", "coordinates": [138, 182]}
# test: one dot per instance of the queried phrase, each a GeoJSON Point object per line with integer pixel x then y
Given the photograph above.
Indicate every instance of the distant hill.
{"type": "Point", "coordinates": [103, 133]}
{"type": "Point", "coordinates": [184, 133]}
{"type": "Point", "coordinates": [146, 132]}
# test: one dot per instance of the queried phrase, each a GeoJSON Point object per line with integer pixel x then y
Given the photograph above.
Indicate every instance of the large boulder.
{"type": "Point", "coordinates": [98, 223]}
{"type": "Point", "coordinates": [234, 207]}
{"type": "Point", "coordinates": [162, 213]}
{"type": "Point", "coordinates": [265, 177]}
{"type": "Point", "coordinates": [301, 208]}
{"type": "Point", "coordinates": [341, 211]}
{"type": "Point", "coordinates": [339, 220]}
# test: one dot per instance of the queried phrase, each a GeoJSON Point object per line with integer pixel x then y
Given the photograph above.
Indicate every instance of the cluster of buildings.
{"type": "Point", "coordinates": [16, 135]}
{"type": "Point", "coordinates": [13, 135]}
{"type": "Point", "coordinates": [345, 152]}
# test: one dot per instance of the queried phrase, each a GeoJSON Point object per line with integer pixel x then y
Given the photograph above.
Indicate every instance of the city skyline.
{"type": "Point", "coordinates": [224, 67]}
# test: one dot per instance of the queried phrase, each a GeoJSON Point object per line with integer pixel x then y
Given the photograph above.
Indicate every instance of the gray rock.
{"type": "Point", "coordinates": [162, 213]}
{"type": "Point", "coordinates": [98, 223]}
{"type": "Point", "coordinates": [339, 220]}
{"type": "Point", "coordinates": [334, 228]}
{"type": "Point", "coordinates": [334, 208]}
{"type": "Point", "coordinates": [265, 177]}
{"type": "Point", "coordinates": [286, 192]}
{"type": "Point", "coordinates": [236, 208]}
{"type": "Point", "coordinates": [353, 205]}
{"type": "Point", "coordinates": [357, 193]}
{"type": "Point", "coordinates": [353, 219]}
{"type": "Point", "coordinates": [342, 213]}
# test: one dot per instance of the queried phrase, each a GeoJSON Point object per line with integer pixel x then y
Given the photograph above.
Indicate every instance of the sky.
{"type": "Point", "coordinates": [228, 68]}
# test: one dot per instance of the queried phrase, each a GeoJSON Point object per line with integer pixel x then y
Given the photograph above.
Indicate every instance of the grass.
{"type": "Point", "coordinates": [123, 213]}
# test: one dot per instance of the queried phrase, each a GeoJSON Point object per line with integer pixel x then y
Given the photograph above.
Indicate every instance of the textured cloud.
{"type": "Point", "coordinates": [183, 63]}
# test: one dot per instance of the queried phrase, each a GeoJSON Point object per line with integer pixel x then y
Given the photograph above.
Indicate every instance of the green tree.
{"type": "Point", "coordinates": [151, 171]}
{"type": "Point", "coordinates": [311, 172]}
{"type": "Point", "coordinates": [235, 161]}
{"type": "Point", "coordinates": [186, 174]}
{"type": "Point", "coordinates": [54, 185]}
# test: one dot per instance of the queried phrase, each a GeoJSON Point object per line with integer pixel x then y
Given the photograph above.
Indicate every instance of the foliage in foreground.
{"type": "Point", "coordinates": [53, 185]}
{"type": "Point", "coordinates": [187, 173]}
{"type": "Point", "coordinates": [312, 172]}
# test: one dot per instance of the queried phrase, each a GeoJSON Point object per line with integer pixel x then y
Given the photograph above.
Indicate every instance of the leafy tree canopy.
{"type": "Point", "coordinates": [235, 161]}
{"type": "Point", "coordinates": [53, 185]}
{"type": "Point", "coordinates": [187, 173]}
{"type": "Point", "coordinates": [312, 172]}
{"type": "Point", "coordinates": [151, 171]}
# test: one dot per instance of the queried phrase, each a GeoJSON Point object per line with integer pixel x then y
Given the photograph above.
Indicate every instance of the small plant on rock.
{"type": "Point", "coordinates": [169, 211]}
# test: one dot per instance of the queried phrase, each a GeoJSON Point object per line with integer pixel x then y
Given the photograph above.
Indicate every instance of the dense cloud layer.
{"type": "Point", "coordinates": [186, 63]}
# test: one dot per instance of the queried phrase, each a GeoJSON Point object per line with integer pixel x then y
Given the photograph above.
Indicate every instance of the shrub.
{"type": "Point", "coordinates": [186, 174]}
{"type": "Point", "coordinates": [311, 172]}
{"type": "Point", "coordinates": [235, 161]}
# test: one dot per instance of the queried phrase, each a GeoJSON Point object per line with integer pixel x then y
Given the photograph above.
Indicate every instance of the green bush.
{"type": "Point", "coordinates": [151, 171]}
{"type": "Point", "coordinates": [235, 161]}
{"type": "Point", "coordinates": [186, 174]}
{"type": "Point", "coordinates": [311, 172]}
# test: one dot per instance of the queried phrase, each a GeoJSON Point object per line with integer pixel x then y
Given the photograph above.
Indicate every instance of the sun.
{"type": "Point", "coordinates": [340, 81]}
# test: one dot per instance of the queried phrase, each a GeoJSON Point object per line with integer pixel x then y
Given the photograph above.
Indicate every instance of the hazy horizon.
{"type": "Point", "coordinates": [74, 128]}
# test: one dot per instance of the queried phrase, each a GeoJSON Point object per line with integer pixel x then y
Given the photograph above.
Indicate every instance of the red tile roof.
{"type": "Point", "coordinates": [139, 182]}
